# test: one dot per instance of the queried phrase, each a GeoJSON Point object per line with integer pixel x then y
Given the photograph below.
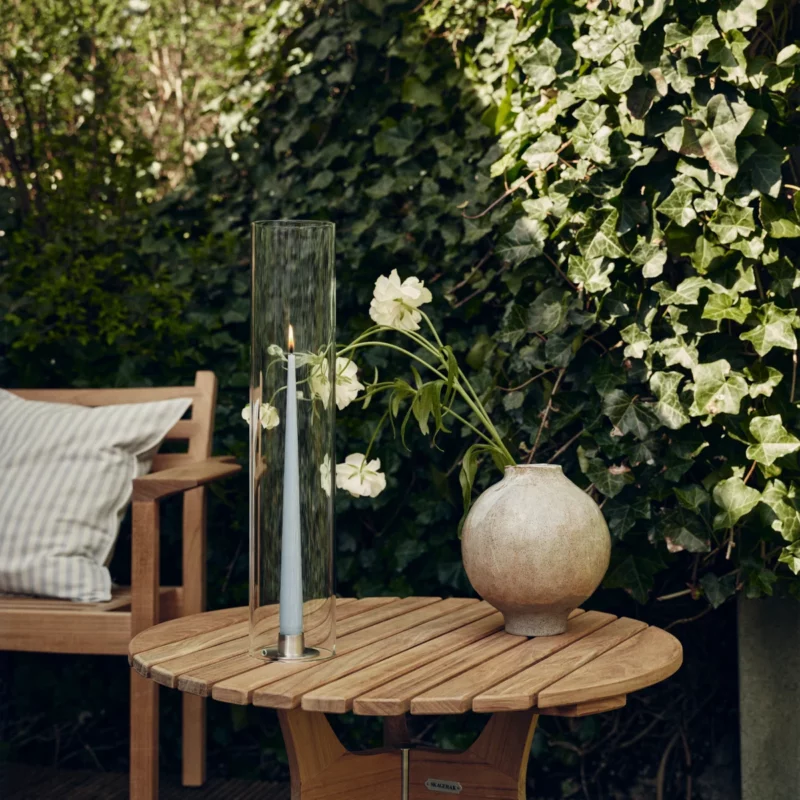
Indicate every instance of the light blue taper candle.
{"type": "Point", "coordinates": [291, 608]}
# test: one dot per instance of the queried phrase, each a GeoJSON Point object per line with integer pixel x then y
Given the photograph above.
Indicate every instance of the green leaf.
{"type": "Point", "coordinates": [762, 379]}
{"type": "Point", "coordinates": [764, 166]}
{"type": "Point", "coordinates": [590, 273]}
{"type": "Point", "coordinates": [622, 516]}
{"type": "Point", "coordinates": [543, 153]}
{"type": "Point", "coordinates": [394, 141]}
{"type": "Point", "coordinates": [637, 341]}
{"type": "Point", "coordinates": [669, 409]}
{"type": "Point", "coordinates": [650, 257]}
{"type": "Point", "coordinates": [693, 497]}
{"type": "Point", "coordinates": [628, 414]}
{"type": "Point", "coordinates": [724, 122]}
{"type": "Point", "coordinates": [634, 573]}
{"type": "Point", "coordinates": [601, 241]}
{"type": "Point", "coordinates": [609, 481]}
{"type": "Point", "coordinates": [718, 590]}
{"type": "Point", "coordinates": [525, 240]}
{"type": "Point", "coordinates": [775, 329]}
{"type": "Point", "coordinates": [731, 221]}
{"type": "Point", "coordinates": [739, 14]}
{"type": "Point", "coordinates": [548, 311]}
{"type": "Point", "coordinates": [717, 390]}
{"type": "Point", "coordinates": [780, 224]}
{"type": "Point", "coordinates": [418, 93]}
{"type": "Point", "coordinates": [722, 306]}
{"type": "Point", "coordinates": [774, 441]}
{"type": "Point", "coordinates": [791, 557]}
{"type": "Point", "coordinates": [683, 538]}
{"type": "Point", "coordinates": [678, 206]}
{"type": "Point", "coordinates": [685, 294]}
{"type": "Point", "coordinates": [540, 65]}
{"type": "Point", "coordinates": [705, 254]}
{"type": "Point", "coordinates": [513, 400]}
{"type": "Point", "coordinates": [735, 499]}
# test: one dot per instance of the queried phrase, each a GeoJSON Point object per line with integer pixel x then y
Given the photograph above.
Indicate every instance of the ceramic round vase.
{"type": "Point", "coordinates": [535, 546]}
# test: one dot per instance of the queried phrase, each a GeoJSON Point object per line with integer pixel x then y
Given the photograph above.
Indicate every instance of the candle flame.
{"type": "Point", "coordinates": [291, 339]}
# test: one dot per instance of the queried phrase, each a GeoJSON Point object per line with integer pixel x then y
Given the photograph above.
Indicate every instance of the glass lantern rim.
{"type": "Point", "coordinates": [293, 223]}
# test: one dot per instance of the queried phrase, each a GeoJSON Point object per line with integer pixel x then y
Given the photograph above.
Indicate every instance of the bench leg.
{"type": "Point", "coordinates": [144, 738]}
{"type": "Point", "coordinates": [494, 768]}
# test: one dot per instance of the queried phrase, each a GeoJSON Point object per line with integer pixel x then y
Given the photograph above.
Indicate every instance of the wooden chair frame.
{"type": "Point", "coordinates": [58, 626]}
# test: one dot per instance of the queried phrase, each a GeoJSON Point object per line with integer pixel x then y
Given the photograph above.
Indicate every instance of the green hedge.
{"type": "Point", "coordinates": [599, 198]}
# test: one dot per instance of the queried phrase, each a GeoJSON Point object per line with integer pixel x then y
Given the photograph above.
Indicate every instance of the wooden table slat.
{"type": "Point", "coordinates": [185, 628]}
{"type": "Point", "coordinates": [642, 660]}
{"type": "Point", "coordinates": [287, 692]}
{"type": "Point", "coordinates": [167, 672]}
{"type": "Point", "coordinates": [200, 678]}
{"type": "Point", "coordinates": [520, 690]}
{"type": "Point", "coordinates": [337, 696]}
{"type": "Point", "coordinates": [455, 696]}
{"type": "Point", "coordinates": [239, 688]}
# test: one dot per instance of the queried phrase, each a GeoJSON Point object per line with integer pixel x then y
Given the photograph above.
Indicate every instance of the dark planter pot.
{"type": "Point", "coordinates": [769, 698]}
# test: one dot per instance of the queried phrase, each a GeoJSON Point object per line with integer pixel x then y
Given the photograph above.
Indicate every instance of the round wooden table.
{"type": "Point", "coordinates": [422, 655]}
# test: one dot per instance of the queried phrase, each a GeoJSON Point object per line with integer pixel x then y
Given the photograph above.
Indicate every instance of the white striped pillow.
{"type": "Point", "coordinates": [66, 476]}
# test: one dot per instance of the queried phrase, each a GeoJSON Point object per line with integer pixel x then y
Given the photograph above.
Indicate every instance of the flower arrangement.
{"type": "Point", "coordinates": [440, 388]}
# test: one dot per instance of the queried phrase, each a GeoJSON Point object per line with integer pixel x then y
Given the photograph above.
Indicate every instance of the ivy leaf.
{"type": "Point", "coordinates": [692, 497]}
{"type": "Point", "coordinates": [722, 306]}
{"type": "Point", "coordinates": [629, 415]}
{"type": "Point", "coordinates": [637, 340]}
{"type": "Point", "coordinates": [705, 254]}
{"type": "Point", "coordinates": [677, 350]}
{"type": "Point", "coordinates": [685, 294]}
{"type": "Point", "coordinates": [421, 94]}
{"type": "Point", "coordinates": [717, 390]}
{"type": "Point", "coordinates": [785, 276]}
{"type": "Point", "coordinates": [669, 408]}
{"type": "Point", "coordinates": [731, 221]}
{"type": "Point", "coordinates": [548, 311]}
{"type": "Point", "coordinates": [764, 166]}
{"type": "Point", "coordinates": [543, 152]}
{"type": "Point", "coordinates": [540, 65]}
{"type": "Point", "coordinates": [601, 241]}
{"type": "Point", "coordinates": [678, 206]}
{"type": "Point", "coordinates": [718, 590]}
{"type": "Point", "coordinates": [762, 379]}
{"type": "Point", "coordinates": [791, 557]}
{"type": "Point", "coordinates": [724, 122]}
{"type": "Point", "coordinates": [590, 273]}
{"type": "Point", "coordinates": [634, 573]}
{"type": "Point", "coordinates": [683, 538]}
{"type": "Point", "coordinates": [739, 14]}
{"type": "Point", "coordinates": [394, 141]}
{"type": "Point", "coordinates": [774, 441]}
{"type": "Point", "coordinates": [622, 516]}
{"type": "Point", "coordinates": [609, 481]}
{"type": "Point", "coordinates": [703, 33]}
{"type": "Point", "coordinates": [736, 499]}
{"type": "Point", "coordinates": [775, 329]}
{"type": "Point", "coordinates": [780, 224]}
{"type": "Point", "coordinates": [525, 240]}
{"type": "Point", "coordinates": [650, 257]}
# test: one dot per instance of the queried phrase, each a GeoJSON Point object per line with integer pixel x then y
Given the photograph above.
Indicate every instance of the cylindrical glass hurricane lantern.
{"type": "Point", "coordinates": [292, 405]}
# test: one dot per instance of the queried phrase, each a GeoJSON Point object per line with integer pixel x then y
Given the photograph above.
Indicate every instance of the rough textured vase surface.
{"type": "Point", "coordinates": [535, 546]}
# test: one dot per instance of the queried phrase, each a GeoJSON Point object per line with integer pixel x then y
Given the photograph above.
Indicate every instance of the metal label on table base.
{"type": "Point", "coordinates": [446, 787]}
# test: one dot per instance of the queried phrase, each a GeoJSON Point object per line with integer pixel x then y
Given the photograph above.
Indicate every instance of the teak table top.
{"type": "Point", "coordinates": [419, 654]}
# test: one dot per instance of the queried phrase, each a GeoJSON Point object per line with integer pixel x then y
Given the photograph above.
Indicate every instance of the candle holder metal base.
{"type": "Point", "coordinates": [292, 648]}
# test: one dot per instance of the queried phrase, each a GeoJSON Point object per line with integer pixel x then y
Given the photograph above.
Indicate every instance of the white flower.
{"type": "Point", "coordinates": [359, 477]}
{"type": "Point", "coordinates": [268, 416]}
{"type": "Point", "coordinates": [395, 304]}
{"type": "Point", "coordinates": [347, 384]}
{"type": "Point", "coordinates": [116, 145]}
{"type": "Point", "coordinates": [325, 474]}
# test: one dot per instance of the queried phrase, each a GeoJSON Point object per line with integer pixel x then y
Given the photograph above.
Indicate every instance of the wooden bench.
{"type": "Point", "coordinates": [59, 626]}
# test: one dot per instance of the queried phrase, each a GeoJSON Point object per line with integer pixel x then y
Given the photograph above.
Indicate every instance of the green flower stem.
{"type": "Point", "coordinates": [375, 434]}
{"type": "Point", "coordinates": [400, 350]}
{"type": "Point", "coordinates": [471, 400]}
{"type": "Point", "coordinates": [461, 419]}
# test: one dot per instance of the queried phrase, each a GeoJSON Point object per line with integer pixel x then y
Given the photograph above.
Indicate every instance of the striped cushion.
{"type": "Point", "coordinates": [66, 476]}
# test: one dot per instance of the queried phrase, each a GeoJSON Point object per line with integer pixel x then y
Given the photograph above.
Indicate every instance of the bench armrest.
{"type": "Point", "coordinates": [180, 479]}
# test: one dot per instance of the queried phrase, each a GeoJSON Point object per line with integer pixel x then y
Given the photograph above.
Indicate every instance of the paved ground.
{"type": "Point", "coordinates": [20, 782]}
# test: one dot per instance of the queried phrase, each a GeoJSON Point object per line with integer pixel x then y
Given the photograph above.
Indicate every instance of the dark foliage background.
{"type": "Point", "coordinates": [555, 194]}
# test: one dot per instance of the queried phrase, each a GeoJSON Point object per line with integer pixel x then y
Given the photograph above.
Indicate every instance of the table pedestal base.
{"type": "Point", "coordinates": [493, 768]}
